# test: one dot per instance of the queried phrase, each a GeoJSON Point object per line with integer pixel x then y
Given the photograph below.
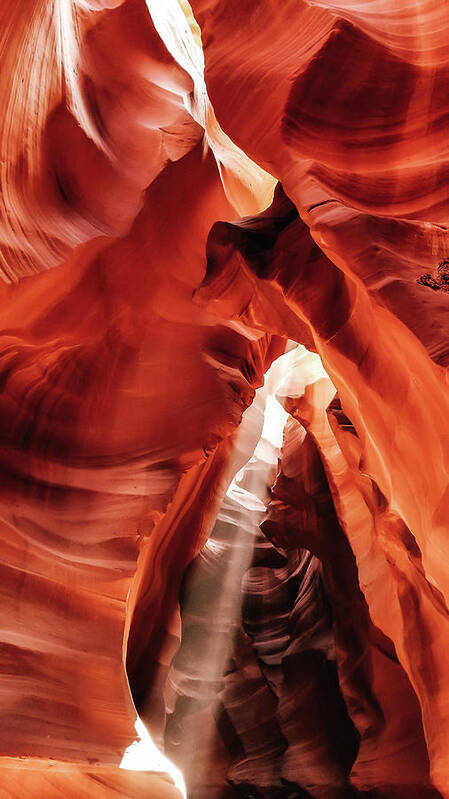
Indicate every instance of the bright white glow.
{"type": "Point", "coordinates": [303, 369]}
{"type": "Point", "coordinates": [244, 498]}
{"type": "Point", "coordinates": [143, 755]}
{"type": "Point", "coordinates": [247, 186]}
{"type": "Point", "coordinates": [273, 422]}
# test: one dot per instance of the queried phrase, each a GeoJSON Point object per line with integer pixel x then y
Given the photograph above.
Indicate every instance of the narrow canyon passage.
{"type": "Point", "coordinates": [224, 427]}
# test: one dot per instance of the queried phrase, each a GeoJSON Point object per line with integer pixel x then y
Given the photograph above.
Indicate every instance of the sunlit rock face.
{"type": "Point", "coordinates": [224, 438]}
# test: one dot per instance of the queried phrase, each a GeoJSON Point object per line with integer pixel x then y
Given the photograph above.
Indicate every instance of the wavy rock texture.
{"type": "Point", "coordinates": [270, 596]}
{"type": "Point", "coordinates": [289, 262]}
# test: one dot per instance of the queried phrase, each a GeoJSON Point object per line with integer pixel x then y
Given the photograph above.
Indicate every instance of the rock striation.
{"type": "Point", "coordinates": [224, 437]}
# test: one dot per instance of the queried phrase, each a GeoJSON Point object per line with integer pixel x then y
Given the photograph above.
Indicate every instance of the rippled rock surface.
{"type": "Point", "coordinates": [224, 435]}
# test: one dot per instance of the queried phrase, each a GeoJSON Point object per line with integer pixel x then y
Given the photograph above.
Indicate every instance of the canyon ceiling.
{"type": "Point", "coordinates": [224, 429]}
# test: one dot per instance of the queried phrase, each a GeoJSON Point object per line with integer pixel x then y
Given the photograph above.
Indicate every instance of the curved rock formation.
{"type": "Point", "coordinates": [269, 596]}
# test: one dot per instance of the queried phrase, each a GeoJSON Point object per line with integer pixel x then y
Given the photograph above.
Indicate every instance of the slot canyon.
{"type": "Point", "coordinates": [224, 428]}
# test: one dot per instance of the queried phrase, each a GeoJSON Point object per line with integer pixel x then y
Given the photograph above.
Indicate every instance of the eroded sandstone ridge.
{"type": "Point", "coordinates": [224, 437]}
